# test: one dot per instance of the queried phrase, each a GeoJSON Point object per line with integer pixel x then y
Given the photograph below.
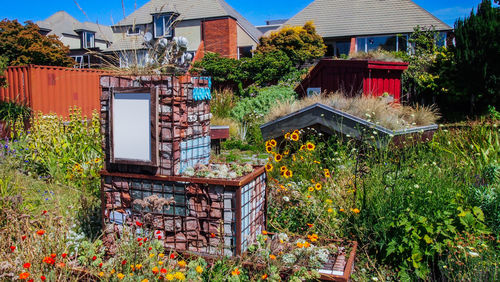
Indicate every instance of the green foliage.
{"type": "Point", "coordinates": [300, 44]}
{"type": "Point", "coordinates": [261, 103]}
{"type": "Point", "coordinates": [225, 72]}
{"type": "Point", "coordinates": [267, 68]}
{"type": "Point", "coordinates": [4, 63]}
{"type": "Point", "coordinates": [12, 111]}
{"type": "Point", "coordinates": [477, 56]}
{"type": "Point", "coordinates": [23, 45]}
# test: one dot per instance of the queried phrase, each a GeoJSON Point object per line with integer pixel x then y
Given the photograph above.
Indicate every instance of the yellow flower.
{"type": "Point", "coordinates": [310, 188]}
{"type": "Point", "coordinates": [160, 262]}
{"type": "Point", "coordinates": [310, 146]}
{"type": "Point", "coordinates": [120, 275]}
{"type": "Point", "coordinates": [341, 209]}
{"type": "Point", "coordinates": [288, 173]}
{"type": "Point", "coordinates": [144, 280]}
{"type": "Point", "coordinates": [132, 267]}
{"type": "Point", "coordinates": [355, 210]}
{"type": "Point", "coordinates": [131, 274]}
{"type": "Point", "coordinates": [278, 158]}
{"type": "Point", "coordinates": [287, 135]}
{"type": "Point", "coordinates": [269, 167]}
{"type": "Point", "coordinates": [302, 147]}
{"type": "Point", "coordinates": [169, 277]}
{"type": "Point", "coordinates": [113, 271]}
{"type": "Point", "coordinates": [179, 276]}
{"type": "Point", "coordinates": [269, 149]}
{"type": "Point", "coordinates": [161, 255]}
{"type": "Point", "coordinates": [328, 201]}
{"type": "Point", "coordinates": [330, 210]}
{"type": "Point", "coordinates": [283, 168]}
{"type": "Point", "coordinates": [151, 255]}
{"type": "Point", "coordinates": [294, 136]}
{"type": "Point", "coordinates": [138, 266]}
{"type": "Point", "coordinates": [318, 186]}
{"type": "Point", "coordinates": [199, 269]}
{"type": "Point", "coordinates": [293, 158]}
{"type": "Point", "coordinates": [182, 263]}
{"type": "Point", "coordinates": [306, 245]}
{"type": "Point", "coordinates": [155, 269]}
{"type": "Point", "coordinates": [273, 143]}
{"type": "Point", "coordinates": [316, 162]}
{"type": "Point", "coordinates": [101, 274]}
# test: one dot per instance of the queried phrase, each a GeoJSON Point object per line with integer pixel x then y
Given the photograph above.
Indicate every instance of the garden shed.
{"type": "Point", "coordinates": [352, 77]}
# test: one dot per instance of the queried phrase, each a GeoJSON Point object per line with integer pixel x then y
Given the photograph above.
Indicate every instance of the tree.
{"type": "Point", "coordinates": [300, 44]}
{"type": "Point", "coordinates": [23, 45]}
{"type": "Point", "coordinates": [477, 56]}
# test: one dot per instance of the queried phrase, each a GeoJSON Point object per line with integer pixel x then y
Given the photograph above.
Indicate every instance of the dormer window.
{"type": "Point", "coordinates": [163, 25]}
{"type": "Point", "coordinates": [88, 38]}
{"type": "Point", "coordinates": [134, 30]}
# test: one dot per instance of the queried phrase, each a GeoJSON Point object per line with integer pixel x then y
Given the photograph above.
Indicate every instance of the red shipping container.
{"type": "Point", "coordinates": [51, 89]}
{"type": "Point", "coordinates": [355, 76]}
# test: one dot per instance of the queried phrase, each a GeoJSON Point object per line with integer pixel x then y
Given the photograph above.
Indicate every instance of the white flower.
{"type": "Point", "coordinates": [416, 186]}
{"type": "Point", "coordinates": [473, 254]}
{"type": "Point", "coordinates": [374, 279]}
{"type": "Point", "coordinates": [286, 199]}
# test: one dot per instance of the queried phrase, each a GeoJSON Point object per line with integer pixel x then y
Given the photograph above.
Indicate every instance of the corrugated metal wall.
{"type": "Point", "coordinates": [53, 89]}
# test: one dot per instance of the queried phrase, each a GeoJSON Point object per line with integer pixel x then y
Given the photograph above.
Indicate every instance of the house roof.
{"type": "Point", "coordinates": [134, 42]}
{"type": "Point", "coordinates": [189, 10]}
{"type": "Point", "coordinates": [337, 18]}
{"type": "Point", "coordinates": [62, 23]}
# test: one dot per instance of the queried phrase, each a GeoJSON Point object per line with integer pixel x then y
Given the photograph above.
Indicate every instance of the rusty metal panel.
{"type": "Point", "coordinates": [53, 89]}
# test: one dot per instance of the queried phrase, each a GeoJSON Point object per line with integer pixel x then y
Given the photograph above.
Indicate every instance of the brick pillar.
{"type": "Point", "coordinates": [220, 36]}
{"type": "Point", "coordinates": [353, 45]}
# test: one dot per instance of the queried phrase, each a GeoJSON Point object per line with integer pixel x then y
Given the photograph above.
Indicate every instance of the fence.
{"type": "Point", "coordinates": [53, 89]}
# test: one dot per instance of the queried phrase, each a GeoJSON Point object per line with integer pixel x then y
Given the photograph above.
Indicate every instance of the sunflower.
{"type": "Point", "coordinates": [269, 167]}
{"type": "Point", "coordinates": [327, 173]}
{"type": "Point", "coordinates": [283, 168]}
{"type": "Point", "coordinates": [269, 149]}
{"type": "Point", "coordinates": [310, 146]}
{"type": "Point", "coordinates": [273, 143]}
{"type": "Point", "coordinates": [294, 136]}
{"type": "Point", "coordinates": [288, 173]}
{"type": "Point", "coordinates": [310, 188]}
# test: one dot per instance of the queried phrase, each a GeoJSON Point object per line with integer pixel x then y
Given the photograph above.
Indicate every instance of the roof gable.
{"type": "Point", "coordinates": [336, 18]}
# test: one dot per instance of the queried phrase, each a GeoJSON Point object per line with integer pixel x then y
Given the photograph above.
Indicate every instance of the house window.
{"type": "Point", "coordinates": [88, 39]}
{"type": "Point", "coordinates": [245, 52]}
{"type": "Point", "coordinates": [342, 48]}
{"type": "Point", "coordinates": [163, 25]}
{"type": "Point", "coordinates": [133, 58]}
{"type": "Point", "coordinates": [134, 31]}
{"type": "Point", "coordinates": [388, 43]}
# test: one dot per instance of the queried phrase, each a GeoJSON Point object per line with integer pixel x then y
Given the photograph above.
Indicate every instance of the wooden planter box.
{"type": "Point", "coordinates": [332, 121]}
{"type": "Point", "coordinates": [354, 77]}
{"type": "Point", "coordinates": [209, 216]}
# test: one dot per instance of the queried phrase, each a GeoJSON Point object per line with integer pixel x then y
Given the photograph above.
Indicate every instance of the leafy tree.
{"type": "Point", "coordinates": [477, 56]}
{"type": "Point", "coordinates": [23, 45]}
{"type": "Point", "coordinates": [300, 44]}
{"type": "Point", "coordinates": [3, 66]}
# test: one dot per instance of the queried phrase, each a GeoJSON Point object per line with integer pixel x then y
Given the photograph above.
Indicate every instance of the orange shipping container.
{"type": "Point", "coordinates": [53, 89]}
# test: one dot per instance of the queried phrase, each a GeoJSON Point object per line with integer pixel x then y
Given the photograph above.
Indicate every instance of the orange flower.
{"type": "Point", "coordinates": [310, 146]}
{"type": "Point", "coordinates": [300, 245]}
{"type": "Point", "coordinates": [48, 260]}
{"type": "Point", "coordinates": [155, 270]}
{"type": "Point", "coordinates": [273, 257]}
{"type": "Point", "coordinates": [53, 256]}
{"type": "Point", "coordinates": [269, 167]}
{"type": "Point", "coordinates": [24, 275]}
{"type": "Point", "coordinates": [307, 245]}
{"type": "Point", "coordinates": [40, 232]}
{"type": "Point", "coordinates": [313, 237]}
{"type": "Point", "coordinates": [264, 277]}
{"type": "Point", "coordinates": [278, 158]}
{"type": "Point", "coordinates": [264, 232]}
{"type": "Point", "coordinates": [235, 272]}
{"type": "Point", "coordinates": [341, 209]}
{"type": "Point", "coordinates": [212, 235]}
{"type": "Point", "coordinates": [355, 210]}
{"type": "Point", "coordinates": [61, 264]}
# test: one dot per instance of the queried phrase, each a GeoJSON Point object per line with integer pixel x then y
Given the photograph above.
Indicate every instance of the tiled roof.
{"type": "Point", "coordinates": [336, 18]}
{"type": "Point", "coordinates": [63, 23]}
{"type": "Point", "coordinates": [189, 10]}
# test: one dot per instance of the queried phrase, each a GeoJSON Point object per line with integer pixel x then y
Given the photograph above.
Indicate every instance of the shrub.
{"type": "Point", "coordinates": [268, 68]}
{"type": "Point", "coordinates": [300, 44]}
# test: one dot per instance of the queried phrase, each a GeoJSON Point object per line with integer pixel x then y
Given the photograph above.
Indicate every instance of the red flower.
{"type": "Point", "coordinates": [159, 237]}
{"type": "Point", "coordinates": [40, 232]}
{"type": "Point", "coordinates": [158, 232]}
{"type": "Point", "coordinates": [27, 265]}
{"type": "Point", "coordinates": [31, 280]}
{"type": "Point", "coordinates": [150, 248]}
{"type": "Point", "coordinates": [172, 255]}
{"type": "Point", "coordinates": [145, 239]}
{"type": "Point", "coordinates": [138, 223]}
{"type": "Point", "coordinates": [310, 225]}
{"type": "Point", "coordinates": [44, 212]}
{"type": "Point", "coordinates": [94, 258]}
{"type": "Point", "coordinates": [64, 255]}
{"type": "Point", "coordinates": [124, 262]}
{"type": "Point", "coordinates": [140, 244]}
{"type": "Point", "coordinates": [23, 237]}
{"type": "Point", "coordinates": [48, 260]}
{"type": "Point", "coordinates": [12, 248]}
{"type": "Point", "coordinates": [100, 265]}
{"type": "Point", "coordinates": [163, 270]}
{"type": "Point", "coordinates": [43, 278]}
{"type": "Point", "coordinates": [53, 256]}
{"type": "Point", "coordinates": [139, 239]}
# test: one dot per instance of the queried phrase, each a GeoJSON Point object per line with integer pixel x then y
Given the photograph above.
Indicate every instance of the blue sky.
{"type": "Point", "coordinates": [256, 11]}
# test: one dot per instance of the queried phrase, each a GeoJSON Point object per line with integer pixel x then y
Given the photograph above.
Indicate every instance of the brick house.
{"type": "Point", "coordinates": [208, 25]}
{"type": "Point", "coordinates": [363, 25]}
{"type": "Point", "coordinates": [84, 39]}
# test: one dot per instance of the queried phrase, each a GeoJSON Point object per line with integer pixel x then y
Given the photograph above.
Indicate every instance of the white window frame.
{"type": "Point", "coordinates": [84, 39]}
{"type": "Point", "coordinates": [167, 22]}
{"type": "Point", "coordinates": [365, 38]}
